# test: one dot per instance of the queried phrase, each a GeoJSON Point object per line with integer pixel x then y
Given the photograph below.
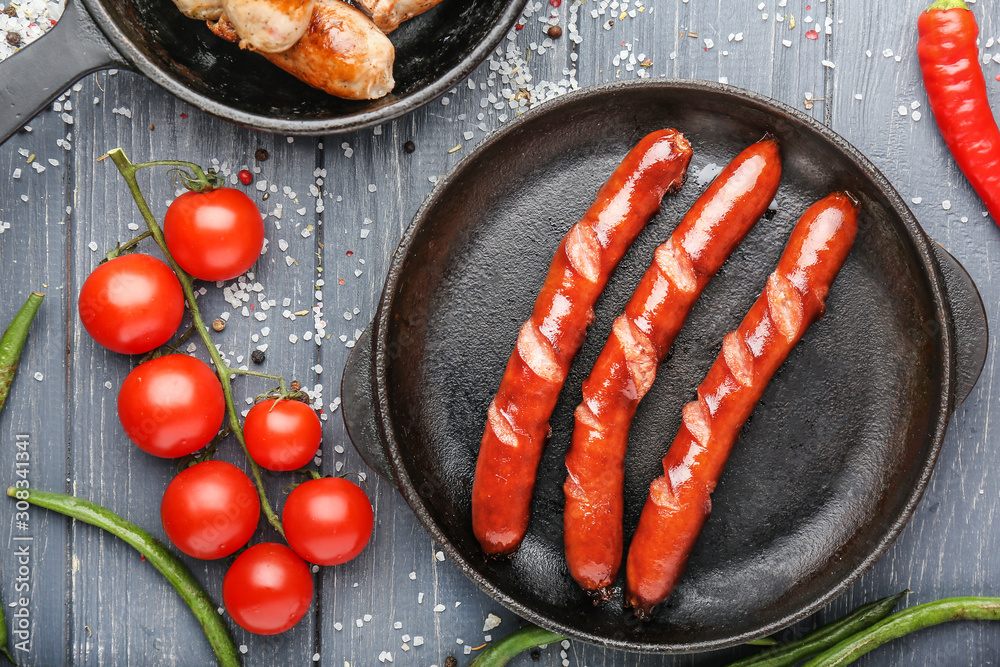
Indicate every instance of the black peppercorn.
{"type": "Point", "coordinates": [450, 662]}
{"type": "Point", "coordinates": [257, 356]}
{"type": "Point", "coordinates": [409, 147]}
{"type": "Point", "coordinates": [14, 39]}
{"type": "Point", "coordinates": [10, 11]}
{"type": "Point", "coordinates": [295, 385]}
{"type": "Point", "coordinates": [261, 154]}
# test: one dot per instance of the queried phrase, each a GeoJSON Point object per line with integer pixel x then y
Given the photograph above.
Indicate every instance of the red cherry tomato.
{"type": "Point", "coordinates": [267, 589]}
{"type": "Point", "coordinates": [210, 510]}
{"type": "Point", "coordinates": [171, 406]}
{"type": "Point", "coordinates": [327, 521]}
{"type": "Point", "coordinates": [282, 435]}
{"type": "Point", "coordinates": [132, 304]}
{"type": "Point", "coordinates": [214, 235]}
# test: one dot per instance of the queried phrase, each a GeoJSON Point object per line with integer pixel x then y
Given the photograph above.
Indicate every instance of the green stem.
{"type": "Point", "coordinates": [944, 5]}
{"type": "Point", "coordinates": [173, 347]}
{"type": "Point", "coordinates": [12, 342]}
{"type": "Point", "coordinates": [120, 249]}
{"type": "Point", "coordinates": [155, 552]}
{"type": "Point", "coordinates": [516, 642]}
{"type": "Point", "coordinates": [225, 373]}
{"type": "Point", "coordinates": [907, 621]}
{"type": "Point", "coordinates": [823, 638]}
{"type": "Point", "coordinates": [281, 380]}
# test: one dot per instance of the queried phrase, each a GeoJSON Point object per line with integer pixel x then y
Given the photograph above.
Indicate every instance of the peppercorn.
{"type": "Point", "coordinates": [246, 178]}
{"type": "Point", "coordinates": [261, 154]}
{"type": "Point", "coordinates": [450, 661]}
{"type": "Point", "coordinates": [10, 11]}
{"type": "Point", "coordinates": [219, 324]}
{"type": "Point", "coordinates": [555, 32]}
{"type": "Point", "coordinates": [536, 655]}
{"type": "Point", "coordinates": [295, 385]}
{"type": "Point", "coordinates": [13, 38]}
{"type": "Point", "coordinates": [409, 147]}
{"type": "Point", "coordinates": [257, 356]}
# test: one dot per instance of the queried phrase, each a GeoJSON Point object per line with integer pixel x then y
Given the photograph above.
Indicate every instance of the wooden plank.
{"type": "Point", "coordinates": [33, 253]}
{"type": "Point", "coordinates": [946, 549]}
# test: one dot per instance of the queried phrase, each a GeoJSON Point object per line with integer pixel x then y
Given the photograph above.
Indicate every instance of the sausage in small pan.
{"type": "Point", "coordinates": [517, 420]}
{"type": "Point", "coordinates": [679, 502]}
{"type": "Point", "coordinates": [639, 340]}
{"type": "Point", "coordinates": [388, 14]}
{"type": "Point", "coordinates": [341, 52]}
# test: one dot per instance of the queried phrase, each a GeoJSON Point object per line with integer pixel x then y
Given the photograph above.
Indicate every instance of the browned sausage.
{"type": "Point", "coordinates": [517, 421]}
{"type": "Point", "coordinates": [388, 14]}
{"type": "Point", "coordinates": [639, 340]}
{"type": "Point", "coordinates": [679, 502]}
{"type": "Point", "coordinates": [341, 53]}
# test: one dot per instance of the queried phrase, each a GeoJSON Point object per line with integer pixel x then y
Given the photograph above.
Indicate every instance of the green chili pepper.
{"type": "Point", "coordinates": [12, 342]}
{"type": "Point", "coordinates": [823, 638]}
{"type": "Point", "coordinates": [905, 622]}
{"type": "Point", "coordinates": [763, 641]}
{"type": "Point", "coordinates": [516, 642]}
{"type": "Point", "coordinates": [4, 639]}
{"type": "Point", "coordinates": [155, 552]}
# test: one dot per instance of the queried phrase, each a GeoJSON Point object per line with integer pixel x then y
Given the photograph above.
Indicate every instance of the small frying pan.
{"type": "Point", "coordinates": [434, 52]}
{"type": "Point", "coordinates": [836, 455]}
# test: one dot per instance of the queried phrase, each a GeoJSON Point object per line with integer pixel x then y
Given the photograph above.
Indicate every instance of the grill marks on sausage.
{"type": "Point", "coordinates": [639, 353]}
{"type": "Point", "coordinates": [675, 265]}
{"type": "Point", "coordinates": [784, 304]}
{"type": "Point", "coordinates": [584, 251]}
{"type": "Point", "coordinates": [537, 353]}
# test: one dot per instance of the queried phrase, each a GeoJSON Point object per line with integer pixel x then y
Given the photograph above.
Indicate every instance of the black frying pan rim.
{"type": "Point", "coordinates": [925, 258]}
{"type": "Point", "coordinates": [137, 57]}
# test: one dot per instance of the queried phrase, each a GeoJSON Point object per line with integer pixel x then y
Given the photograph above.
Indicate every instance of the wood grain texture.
{"type": "Point", "coordinates": [94, 602]}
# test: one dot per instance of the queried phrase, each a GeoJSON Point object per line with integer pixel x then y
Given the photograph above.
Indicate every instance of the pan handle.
{"type": "Point", "coordinates": [38, 73]}
{"type": "Point", "coordinates": [357, 392]}
{"type": "Point", "coordinates": [968, 318]}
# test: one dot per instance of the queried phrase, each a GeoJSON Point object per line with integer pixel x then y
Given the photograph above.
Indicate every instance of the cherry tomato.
{"type": "Point", "coordinates": [267, 589]}
{"type": "Point", "coordinates": [214, 235]}
{"type": "Point", "coordinates": [171, 406]}
{"type": "Point", "coordinates": [327, 521]}
{"type": "Point", "coordinates": [210, 510]}
{"type": "Point", "coordinates": [282, 435]}
{"type": "Point", "coordinates": [131, 304]}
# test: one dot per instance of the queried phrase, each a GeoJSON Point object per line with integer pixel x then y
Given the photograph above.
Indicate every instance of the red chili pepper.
{"type": "Point", "coordinates": [956, 89]}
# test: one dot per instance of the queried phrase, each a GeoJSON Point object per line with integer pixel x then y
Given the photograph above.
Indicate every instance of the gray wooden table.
{"type": "Point", "coordinates": [91, 600]}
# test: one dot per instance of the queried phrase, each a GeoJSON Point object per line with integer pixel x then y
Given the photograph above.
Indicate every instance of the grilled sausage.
{"type": "Point", "coordinates": [679, 502]}
{"type": "Point", "coordinates": [639, 340]}
{"type": "Point", "coordinates": [271, 26]}
{"type": "Point", "coordinates": [341, 53]}
{"type": "Point", "coordinates": [388, 14]}
{"type": "Point", "coordinates": [203, 10]}
{"type": "Point", "coordinates": [517, 423]}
